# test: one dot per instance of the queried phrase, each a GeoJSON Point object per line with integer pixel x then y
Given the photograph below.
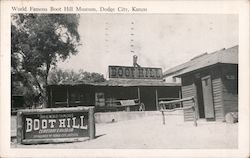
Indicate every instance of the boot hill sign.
{"type": "Point", "coordinates": [126, 72]}
{"type": "Point", "coordinates": [55, 125]}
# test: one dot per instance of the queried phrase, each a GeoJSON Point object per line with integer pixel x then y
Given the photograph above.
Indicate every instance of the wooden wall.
{"type": "Point", "coordinates": [217, 93]}
{"type": "Point", "coordinates": [230, 88]}
{"type": "Point", "coordinates": [224, 78]}
{"type": "Point", "coordinates": [188, 90]}
{"type": "Point", "coordinates": [218, 90]}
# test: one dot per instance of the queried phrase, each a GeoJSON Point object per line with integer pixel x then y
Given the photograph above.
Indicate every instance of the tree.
{"type": "Point", "coordinates": [59, 76]}
{"type": "Point", "coordinates": [38, 41]}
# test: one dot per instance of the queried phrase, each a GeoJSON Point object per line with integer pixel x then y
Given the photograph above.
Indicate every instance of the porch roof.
{"type": "Point", "coordinates": [121, 83]}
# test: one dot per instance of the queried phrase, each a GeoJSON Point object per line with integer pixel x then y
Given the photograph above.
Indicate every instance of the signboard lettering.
{"type": "Point", "coordinates": [57, 125]}
{"type": "Point", "coordinates": [135, 72]}
{"type": "Point", "coordinates": [50, 124]}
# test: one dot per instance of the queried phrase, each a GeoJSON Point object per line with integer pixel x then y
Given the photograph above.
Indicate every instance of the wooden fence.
{"type": "Point", "coordinates": [163, 109]}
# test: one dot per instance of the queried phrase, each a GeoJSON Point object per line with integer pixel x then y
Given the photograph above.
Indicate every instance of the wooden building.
{"type": "Point", "coordinates": [213, 80]}
{"type": "Point", "coordinates": [106, 95]}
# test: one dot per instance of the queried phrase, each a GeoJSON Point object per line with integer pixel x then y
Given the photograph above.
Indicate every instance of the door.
{"type": "Point", "coordinates": [207, 97]}
{"type": "Point", "coordinates": [199, 94]}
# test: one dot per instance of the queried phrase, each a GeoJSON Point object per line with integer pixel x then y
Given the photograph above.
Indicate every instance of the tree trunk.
{"type": "Point", "coordinates": [46, 102]}
{"type": "Point", "coordinates": [42, 91]}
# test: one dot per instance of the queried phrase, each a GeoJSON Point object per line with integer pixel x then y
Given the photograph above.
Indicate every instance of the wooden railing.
{"type": "Point", "coordinates": [163, 109]}
{"type": "Point", "coordinates": [120, 105]}
{"type": "Point", "coordinates": [170, 106]}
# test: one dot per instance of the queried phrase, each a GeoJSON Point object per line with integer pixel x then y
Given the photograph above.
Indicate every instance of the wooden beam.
{"type": "Point", "coordinates": [196, 100]}
{"type": "Point", "coordinates": [180, 96]}
{"type": "Point", "coordinates": [53, 110]}
{"type": "Point", "coordinates": [156, 100]}
{"type": "Point", "coordinates": [163, 117]}
{"type": "Point", "coordinates": [176, 101]}
{"type": "Point", "coordinates": [195, 115]}
{"type": "Point", "coordinates": [139, 95]}
{"type": "Point", "coordinates": [162, 99]}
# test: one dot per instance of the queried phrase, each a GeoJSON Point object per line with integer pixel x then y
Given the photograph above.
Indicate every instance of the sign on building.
{"type": "Point", "coordinates": [55, 125]}
{"type": "Point", "coordinates": [126, 72]}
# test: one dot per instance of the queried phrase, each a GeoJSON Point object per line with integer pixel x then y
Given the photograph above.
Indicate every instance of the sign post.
{"type": "Point", "coordinates": [54, 125]}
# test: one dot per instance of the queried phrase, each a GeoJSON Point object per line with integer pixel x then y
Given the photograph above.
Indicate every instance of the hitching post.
{"type": "Point", "coordinates": [91, 123]}
{"type": "Point", "coordinates": [163, 117]}
{"type": "Point", "coordinates": [194, 111]}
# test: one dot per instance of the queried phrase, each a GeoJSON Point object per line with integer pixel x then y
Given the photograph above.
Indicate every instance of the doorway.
{"type": "Point", "coordinates": [200, 100]}
{"type": "Point", "coordinates": [148, 98]}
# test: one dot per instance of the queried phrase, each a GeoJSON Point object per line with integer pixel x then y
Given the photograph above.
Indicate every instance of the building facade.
{"type": "Point", "coordinates": [111, 94]}
{"type": "Point", "coordinates": [213, 80]}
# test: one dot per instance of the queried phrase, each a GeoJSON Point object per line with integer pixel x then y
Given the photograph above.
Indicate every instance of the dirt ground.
{"type": "Point", "coordinates": [150, 133]}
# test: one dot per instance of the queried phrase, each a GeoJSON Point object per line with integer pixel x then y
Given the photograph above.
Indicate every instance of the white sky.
{"type": "Point", "coordinates": [160, 40]}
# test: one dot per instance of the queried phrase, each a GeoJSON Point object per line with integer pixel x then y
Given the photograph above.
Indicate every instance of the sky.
{"type": "Point", "coordinates": [159, 40]}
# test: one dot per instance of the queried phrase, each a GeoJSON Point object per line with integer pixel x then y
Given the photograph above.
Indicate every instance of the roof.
{"type": "Point", "coordinates": [227, 56]}
{"type": "Point", "coordinates": [138, 82]}
{"type": "Point", "coordinates": [123, 83]}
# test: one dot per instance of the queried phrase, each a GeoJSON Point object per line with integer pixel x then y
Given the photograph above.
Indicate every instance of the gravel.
{"type": "Point", "coordinates": [149, 133]}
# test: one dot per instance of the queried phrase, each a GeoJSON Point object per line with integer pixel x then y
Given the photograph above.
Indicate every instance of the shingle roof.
{"type": "Point", "coordinates": [229, 56]}
{"type": "Point", "coordinates": [124, 83]}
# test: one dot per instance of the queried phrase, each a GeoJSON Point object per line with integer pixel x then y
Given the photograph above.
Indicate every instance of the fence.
{"type": "Point", "coordinates": [163, 109]}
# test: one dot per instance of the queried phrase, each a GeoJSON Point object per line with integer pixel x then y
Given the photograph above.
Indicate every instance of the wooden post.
{"type": "Point", "coordinates": [19, 134]}
{"type": "Point", "coordinates": [91, 124]}
{"type": "Point", "coordinates": [156, 100]}
{"type": "Point", "coordinates": [194, 111]}
{"type": "Point", "coordinates": [180, 96]}
{"type": "Point", "coordinates": [163, 117]}
{"type": "Point", "coordinates": [196, 102]}
{"type": "Point", "coordinates": [193, 107]}
{"type": "Point", "coordinates": [67, 96]}
{"type": "Point", "coordinates": [139, 96]}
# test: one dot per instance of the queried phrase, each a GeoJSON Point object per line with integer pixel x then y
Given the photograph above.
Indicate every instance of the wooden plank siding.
{"type": "Point", "coordinates": [217, 99]}
{"type": "Point", "coordinates": [188, 91]}
{"type": "Point", "coordinates": [224, 78]}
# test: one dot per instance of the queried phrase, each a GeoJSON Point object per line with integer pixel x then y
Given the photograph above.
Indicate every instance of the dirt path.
{"type": "Point", "coordinates": [149, 132]}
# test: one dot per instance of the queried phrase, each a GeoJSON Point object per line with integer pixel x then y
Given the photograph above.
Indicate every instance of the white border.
{"type": "Point", "coordinates": [209, 7]}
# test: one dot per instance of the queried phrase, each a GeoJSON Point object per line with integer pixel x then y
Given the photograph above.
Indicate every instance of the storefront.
{"type": "Point", "coordinates": [109, 95]}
